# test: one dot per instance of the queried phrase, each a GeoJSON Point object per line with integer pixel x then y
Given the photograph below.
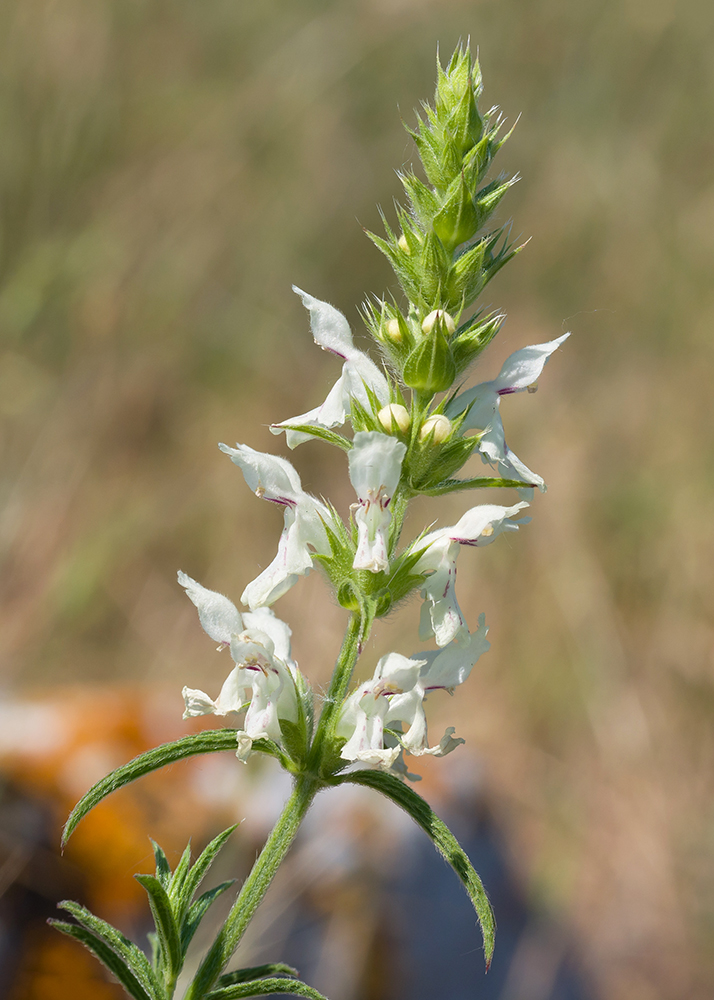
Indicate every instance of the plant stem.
{"type": "Point", "coordinates": [357, 631]}
{"type": "Point", "coordinates": [254, 887]}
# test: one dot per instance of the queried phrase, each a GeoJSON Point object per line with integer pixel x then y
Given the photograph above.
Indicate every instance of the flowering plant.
{"type": "Point", "coordinates": [413, 429]}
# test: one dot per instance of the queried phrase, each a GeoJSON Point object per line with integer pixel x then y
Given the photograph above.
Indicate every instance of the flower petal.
{"type": "Point", "coordinates": [524, 367]}
{"type": "Point", "coordinates": [375, 464]}
{"type": "Point", "coordinates": [449, 667]}
{"type": "Point", "coordinates": [219, 616]}
{"type": "Point", "coordinates": [331, 331]}
{"type": "Point", "coordinates": [274, 478]}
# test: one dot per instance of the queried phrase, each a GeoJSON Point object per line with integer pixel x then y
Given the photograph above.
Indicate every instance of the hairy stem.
{"type": "Point", "coordinates": [254, 887]}
{"type": "Point", "coordinates": [355, 636]}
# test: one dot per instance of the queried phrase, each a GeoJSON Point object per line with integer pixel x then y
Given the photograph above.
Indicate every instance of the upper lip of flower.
{"type": "Point", "coordinates": [332, 333]}
{"type": "Point", "coordinates": [481, 403]}
{"type": "Point", "coordinates": [274, 478]}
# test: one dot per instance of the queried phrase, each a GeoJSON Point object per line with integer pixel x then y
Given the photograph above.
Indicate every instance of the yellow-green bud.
{"type": "Point", "coordinates": [438, 425]}
{"type": "Point", "coordinates": [392, 331]}
{"type": "Point", "coordinates": [402, 243]}
{"type": "Point", "coordinates": [394, 417]}
{"type": "Point", "coordinates": [434, 317]}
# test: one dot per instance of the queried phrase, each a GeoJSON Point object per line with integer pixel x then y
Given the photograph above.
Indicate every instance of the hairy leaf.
{"type": "Point", "coordinates": [165, 921]}
{"type": "Point", "coordinates": [264, 988]}
{"type": "Point", "coordinates": [209, 741]}
{"type": "Point", "coordinates": [107, 957]}
{"type": "Point", "coordinates": [257, 972]}
{"type": "Point", "coordinates": [127, 951]}
{"type": "Point", "coordinates": [447, 844]}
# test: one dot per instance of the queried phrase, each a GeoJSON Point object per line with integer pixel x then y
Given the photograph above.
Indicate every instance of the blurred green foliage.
{"type": "Point", "coordinates": [167, 170]}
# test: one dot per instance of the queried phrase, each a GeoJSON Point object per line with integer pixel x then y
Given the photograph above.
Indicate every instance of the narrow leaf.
{"type": "Point", "coordinates": [478, 483]}
{"type": "Point", "coordinates": [256, 972]}
{"type": "Point", "coordinates": [203, 863]}
{"type": "Point", "coordinates": [106, 956]}
{"type": "Point", "coordinates": [163, 868]}
{"type": "Point", "coordinates": [264, 988]}
{"type": "Point", "coordinates": [449, 847]}
{"type": "Point", "coordinates": [165, 921]}
{"type": "Point", "coordinates": [128, 952]}
{"type": "Point", "coordinates": [179, 876]}
{"type": "Point", "coordinates": [209, 741]}
{"type": "Point", "coordinates": [319, 432]}
{"type": "Point", "coordinates": [197, 912]}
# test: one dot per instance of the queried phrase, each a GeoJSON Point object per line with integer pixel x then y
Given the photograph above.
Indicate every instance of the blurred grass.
{"type": "Point", "coordinates": [166, 172]}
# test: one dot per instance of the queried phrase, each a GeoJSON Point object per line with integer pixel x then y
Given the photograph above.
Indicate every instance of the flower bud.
{"type": "Point", "coordinates": [434, 317]}
{"type": "Point", "coordinates": [402, 243]}
{"type": "Point", "coordinates": [394, 417]}
{"type": "Point", "coordinates": [438, 425]}
{"type": "Point", "coordinates": [392, 331]}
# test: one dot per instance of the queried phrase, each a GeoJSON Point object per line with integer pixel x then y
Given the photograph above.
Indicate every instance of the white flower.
{"type": "Point", "coordinates": [441, 616]}
{"type": "Point", "coordinates": [375, 467]}
{"type": "Point", "coordinates": [396, 693]}
{"type": "Point", "coordinates": [331, 332]}
{"type": "Point", "coordinates": [274, 478]}
{"type": "Point", "coordinates": [365, 711]}
{"type": "Point", "coordinates": [263, 679]}
{"type": "Point", "coordinates": [520, 372]}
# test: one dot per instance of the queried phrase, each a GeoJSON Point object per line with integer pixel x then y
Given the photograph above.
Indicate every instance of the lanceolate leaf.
{"type": "Point", "coordinates": [319, 432]}
{"type": "Point", "coordinates": [108, 957]}
{"type": "Point", "coordinates": [203, 863]}
{"type": "Point", "coordinates": [197, 912]}
{"type": "Point", "coordinates": [127, 952]}
{"type": "Point", "coordinates": [209, 741]}
{"type": "Point", "coordinates": [449, 847]}
{"type": "Point", "coordinates": [256, 972]}
{"type": "Point", "coordinates": [165, 921]}
{"type": "Point", "coordinates": [264, 988]}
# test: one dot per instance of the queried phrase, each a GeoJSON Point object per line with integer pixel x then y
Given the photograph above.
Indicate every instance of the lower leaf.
{"type": "Point", "coordinates": [264, 988]}
{"type": "Point", "coordinates": [106, 956]}
{"type": "Point", "coordinates": [444, 840]}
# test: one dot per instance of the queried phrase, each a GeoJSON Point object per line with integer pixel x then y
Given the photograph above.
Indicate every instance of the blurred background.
{"type": "Point", "coordinates": [167, 170]}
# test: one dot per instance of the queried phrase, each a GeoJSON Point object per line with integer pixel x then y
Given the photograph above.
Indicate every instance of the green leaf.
{"type": "Point", "coordinates": [165, 921]}
{"type": "Point", "coordinates": [179, 876]}
{"type": "Point", "coordinates": [256, 972]}
{"type": "Point", "coordinates": [209, 741]}
{"type": "Point", "coordinates": [478, 483]}
{"type": "Point", "coordinates": [132, 956]}
{"type": "Point", "coordinates": [107, 957]}
{"type": "Point", "coordinates": [198, 911]}
{"type": "Point", "coordinates": [264, 988]}
{"type": "Point", "coordinates": [204, 861]}
{"type": "Point", "coordinates": [163, 868]}
{"type": "Point", "coordinates": [449, 847]}
{"type": "Point", "coordinates": [319, 432]}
